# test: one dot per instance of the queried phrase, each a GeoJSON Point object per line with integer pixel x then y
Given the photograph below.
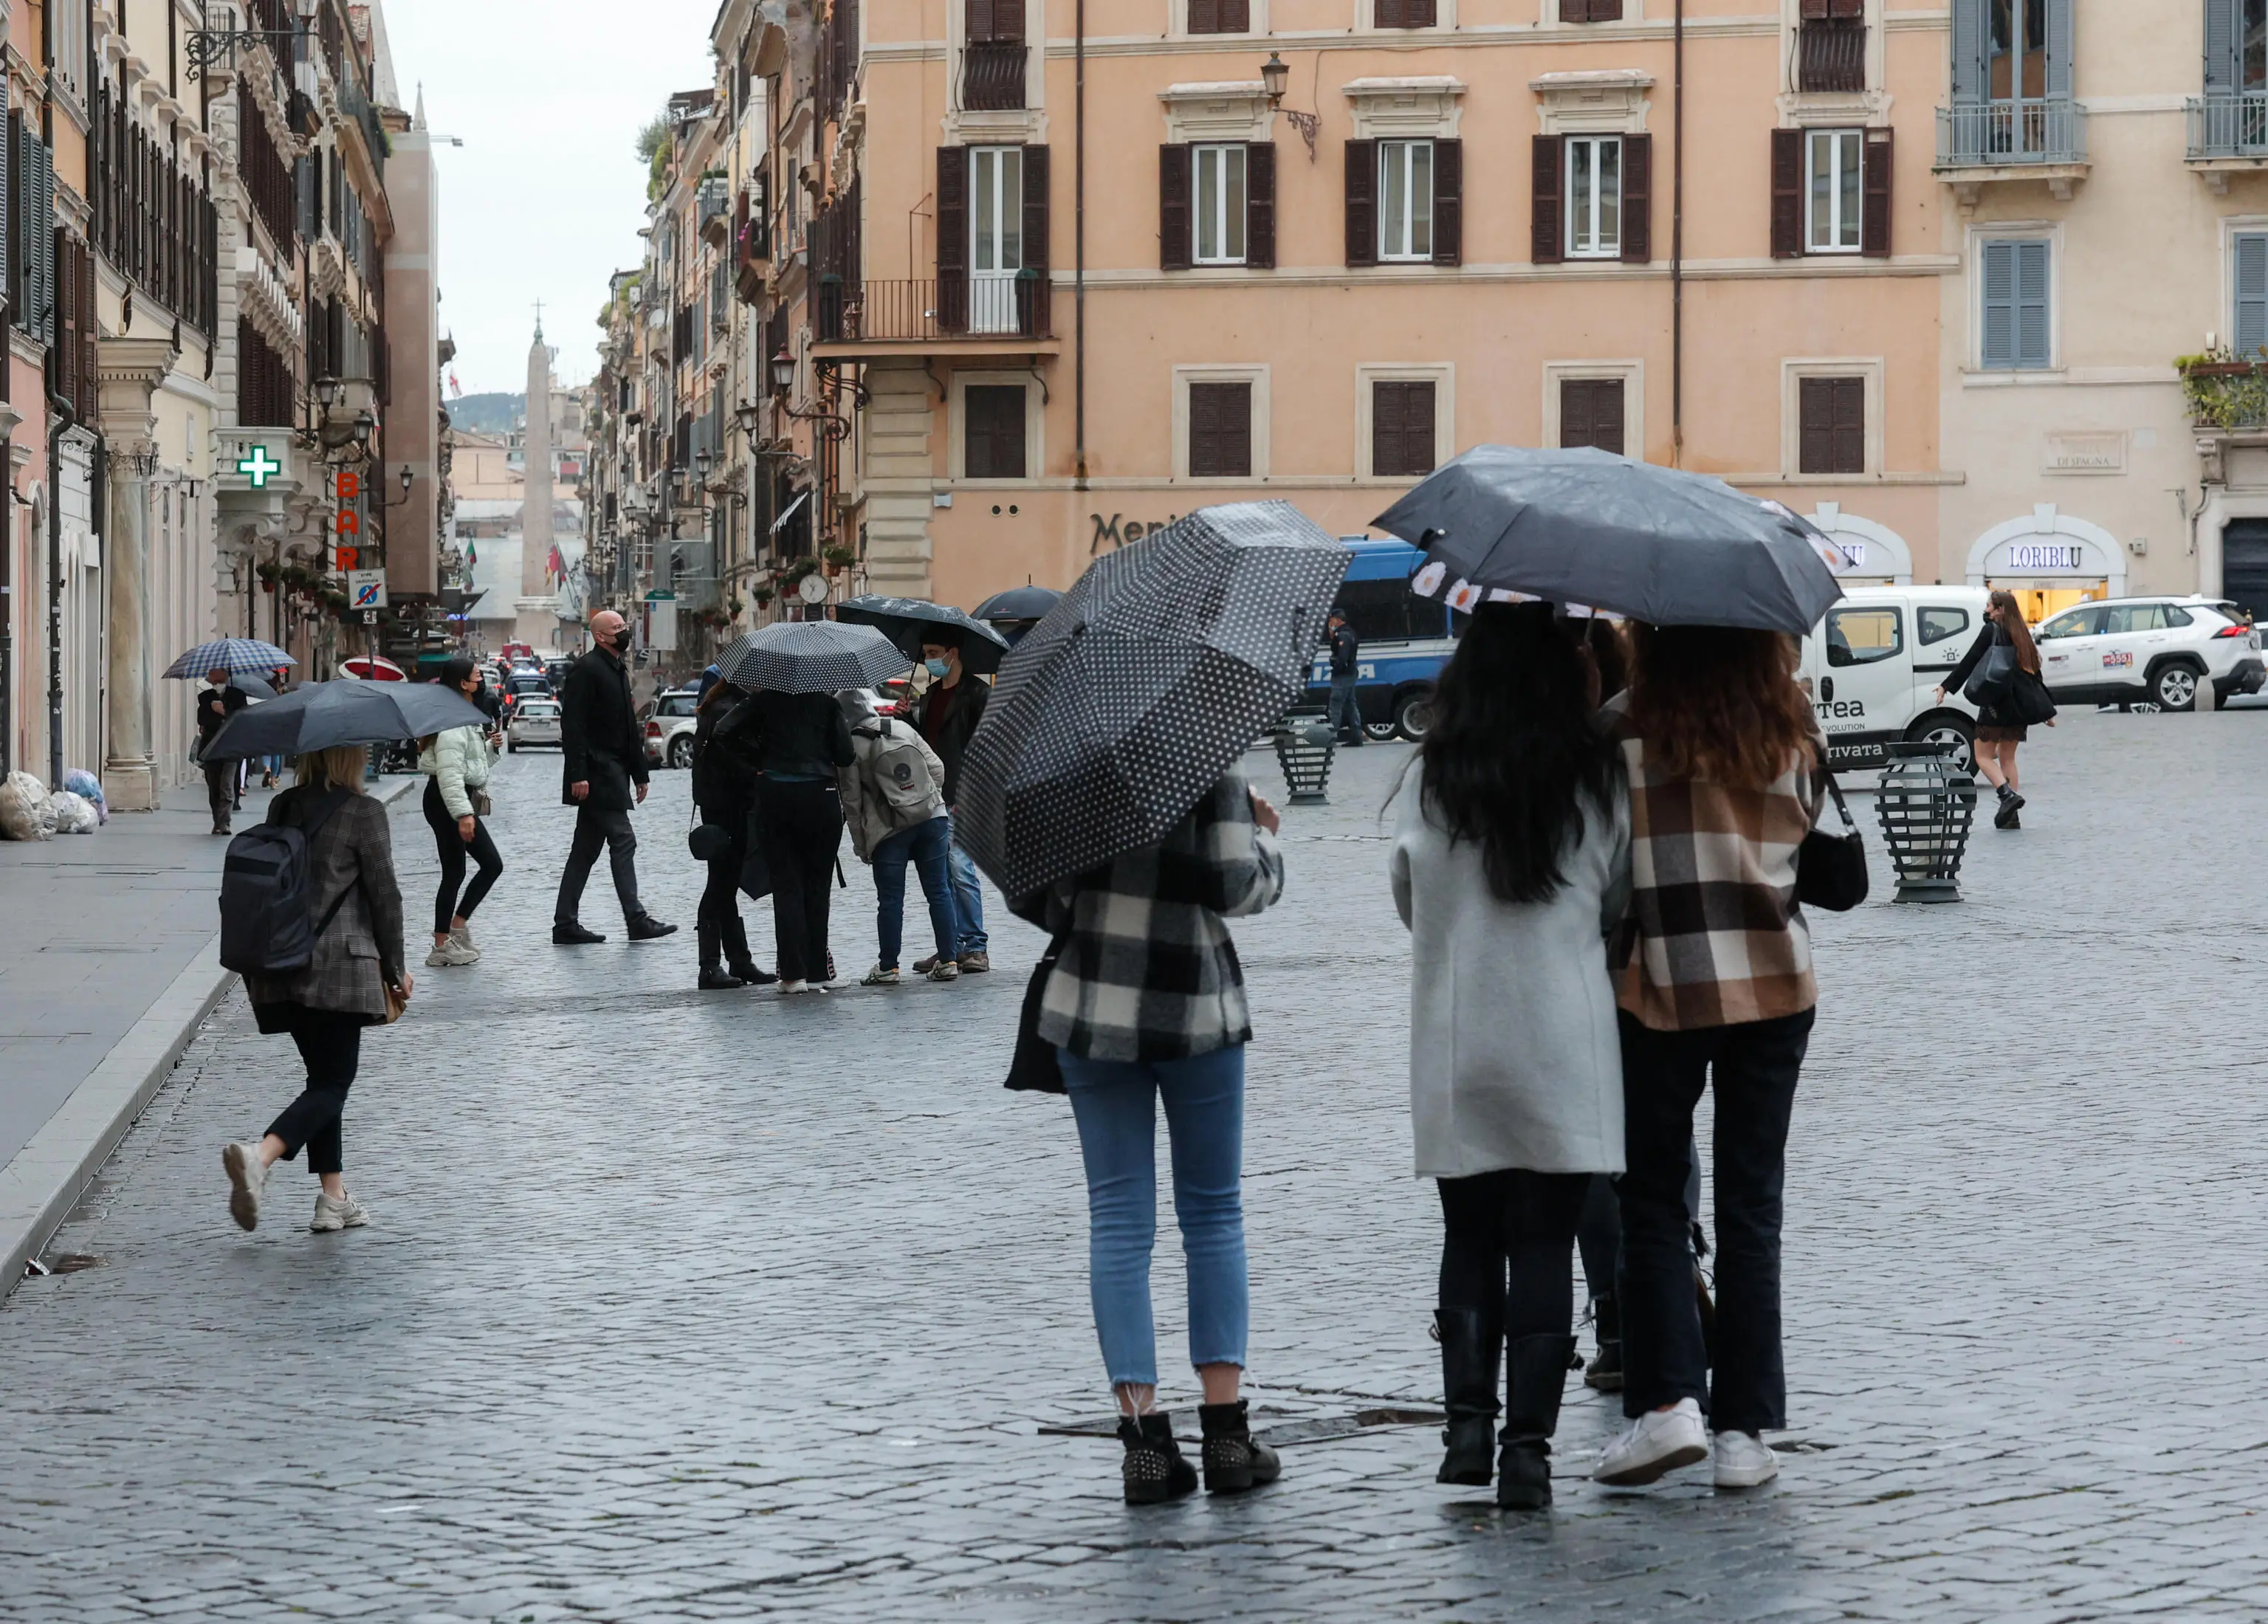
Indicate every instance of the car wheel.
{"type": "Point", "coordinates": [1952, 732]}
{"type": "Point", "coordinates": [680, 752]}
{"type": "Point", "coordinates": [1379, 733]}
{"type": "Point", "coordinates": [1412, 713]}
{"type": "Point", "coordinates": [2175, 688]}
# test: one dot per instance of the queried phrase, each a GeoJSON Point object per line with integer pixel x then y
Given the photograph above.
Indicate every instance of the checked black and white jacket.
{"type": "Point", "coordinates": [1148, 971]}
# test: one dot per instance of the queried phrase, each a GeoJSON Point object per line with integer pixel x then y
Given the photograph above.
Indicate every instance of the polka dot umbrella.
{"type": "Point", "coordinates": [1145, 684]}
{"type": "Point", "coordinates": [811, 656]}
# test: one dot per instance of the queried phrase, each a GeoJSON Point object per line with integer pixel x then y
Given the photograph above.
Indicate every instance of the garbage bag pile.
{"type": "Point", "coordinates": [27, 812]}
{"type": "Point", "coordinates": [81, 783]}
{"type": "Point", "coordinates": [74, 814]}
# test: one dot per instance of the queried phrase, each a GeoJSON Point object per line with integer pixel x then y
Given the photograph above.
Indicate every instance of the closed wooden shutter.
{"type": "Point", "coordinates": [1220, 430]}
{"type": "Point", "coordinates": [953, 239]}
{"type": "Point", "coordinates": [1034, 287]}
{"type": "Point", "coordinates": [1387, 14]}
{"type": "Point", "coordinates": [993, 418]}
{"type": "Point", "coordinates": [1419, 13]}
{"type": "Point", "coordinates": [1874, 216]}
{"type": "Point", "coordinates": [1831, 414]}
{"type": "Point", "coordinates": [2251, 281]}
{"type": "Point", "coordinates": [1591, 10]}
{"type": "Point", "coordinates": [2033, 346]}
{"type": "Point", "coordinates": [1637, 199]}
{"type": "Point", "coordinates": [1401, 430]}
{"type": "Point", "coordinates": [1591, 413]}
{"type": "Point", "coordinates": [1546, 245]}
{"type": "Point", "coordinates": [1173, 207]}
{"type": "Point", "coordinates": [2059, 46]}
{"type": "Point", "coordinates": [1236, 16]}
{"type": "Point", "coordinates": [2016, 331]}
{"type": "Point", "coordinates": [1007, 21]}
{"type": "Point", "coordinates": [43, 239]}
{"type": "Point", "coordinates": [978, 19]}
{"type": "Point", "coordinates": [2224, 47]}
{"type": "Point", "coordinates": [1788, 193]}
{"type": "Point", "coordinates": [89, 334]}
{"type": "Point", "coordinates": [67, 322]}
{"type": "Point", "coordinates": [1362, 202]}
{"type": "Point", "coordinates": [1813, 12]}
{"type": "Point", "coordinates": [1971, 51]}
{"type": "Point", "coordinates": [1449, 202]}
{"type": "Point", "coordinates": [1260, 205]}
{"type": "Point", "coordinates": [1204, 16]}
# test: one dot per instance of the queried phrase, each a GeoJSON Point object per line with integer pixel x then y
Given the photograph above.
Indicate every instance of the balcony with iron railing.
{"type": "Point", "coordinates": [1830, 56]}
{"type": "Point", "coordinates": [2229, 130]}
{"type": "Point", "coordinates": [992, 76]}
{"type": "Point", "coordinates": [2020, 138]}
{"type": "Point", "coordinates": [921, 315]}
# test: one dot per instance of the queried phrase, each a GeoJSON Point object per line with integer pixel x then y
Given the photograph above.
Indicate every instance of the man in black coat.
{"type": "Point", "coordinates": [215, 704]}
{"type": "Point", "coordinates": [603, 774]}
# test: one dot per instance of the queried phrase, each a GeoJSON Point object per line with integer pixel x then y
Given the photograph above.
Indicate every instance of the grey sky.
{"type": "Point", "coordinates": [544, 198]}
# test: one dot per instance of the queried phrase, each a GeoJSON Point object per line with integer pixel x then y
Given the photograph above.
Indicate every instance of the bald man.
{"type": "Point", "coordinates": [603, 774]}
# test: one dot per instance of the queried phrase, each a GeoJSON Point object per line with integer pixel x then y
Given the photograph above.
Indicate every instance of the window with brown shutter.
{"type": "Point", "coordinates": [1590, 11]}
{"type": "Point", "coordinates": [1260, 205]}
{"type": "Point", "coordinates": [992, 419]}
{"type": "Point", "coordinates": [1788, 193]}
{"type": "Point", "coordinates": [1220, 17]}
{"type": "Point", "coordinates": [1874, 230]}
{"type": "Point", "coordinates": [1404, 13]}
{"type": "Point", "coordinates": [1401, 429]}
{"type": "Point", "coordinates": [1361, 203]}
{"type": "Point", "coordinates": [1220, 430]}
{"type": "Point", "coordinates": [1591, 413]}
{"type": "Point", "coordinates": [953, 239]}
{"type": "Point", "coordinates": [1033, 307]}
{"type": "Point", "coordinates": [1448, 201]}
{"type": "Point", "coordinates": [1637, 199]}
{"type": "Point", "coordinates": [1832, 425]}
{"type": "Point", "coordinates": [1173, 206]}
{"type": "Point", "coordinates": [1546, 246]}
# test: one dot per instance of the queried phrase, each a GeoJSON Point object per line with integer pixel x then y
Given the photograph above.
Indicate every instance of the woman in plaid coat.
{"type": "Point", "coordinates": [357, 958]}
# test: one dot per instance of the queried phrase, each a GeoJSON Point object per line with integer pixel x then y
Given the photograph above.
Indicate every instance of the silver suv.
{"type": "Point", "coordinates": [2150, 653]}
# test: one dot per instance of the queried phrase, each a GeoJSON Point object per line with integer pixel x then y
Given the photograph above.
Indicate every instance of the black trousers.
{"type": "Point", "coordinates": [220, 791]}
{"type": "Point", "coordinates": [595, 827]}
{"type": "Point", "coordinates": [447, 906]}
{"type": "Point", "coordinates": [330, 1044]}
{"type": "Point", "coordinates": [1753, 1068]}
{"type": "Point", "coordinates": [1599, 1232]}
{"type": "Point", "coordinates": [1505, 1237]}
{"type": "Point", "coordinates": [724, 938]}
{"type": "Point", "coordinates": [802, 829]}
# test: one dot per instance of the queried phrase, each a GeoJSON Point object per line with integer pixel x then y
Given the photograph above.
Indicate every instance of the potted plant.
{"type": "Point", "coordinates": [763, 596]}
{"type": "Point", "coordinates": [839, 558]}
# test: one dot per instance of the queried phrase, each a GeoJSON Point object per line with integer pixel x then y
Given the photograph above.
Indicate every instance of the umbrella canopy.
{"type": "Point", "coordinates": [1587, 526]}
{"type": "Point", "coordinates": [1019, 603]}
{"type": "Point", "coordinates": [909, 622]}
{"type": "Point", "coordinates": [1126, 703]}
{"type": "Point", "coordinates": [315, 715]}
{"type": "Point", "coordinates": [232, 655]}
{"type": "Point", "coordinates": [811, 656]}
{"type": "Point", "coordinates": [251, 687]}
{"type": "Point", "coordinates": [373, 668]}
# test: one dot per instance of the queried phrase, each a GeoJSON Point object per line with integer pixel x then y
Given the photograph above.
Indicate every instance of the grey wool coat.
{"type": "Point", "coordinates": [1514, 1060]}
{"type": "Point", "coordinates": [351, 855]}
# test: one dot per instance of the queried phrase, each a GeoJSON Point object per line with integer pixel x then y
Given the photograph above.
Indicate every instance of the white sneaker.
{"type": "Point", "coordinates": [1743, 1461]}
{"type": "Point", "coordinates": [946, 970]}
{"type": "Point", "coordinates": [1657, 1441]}
{"type": "Point", "coordinates": [463, 935]}
{"type": "Point", "coordinates": [451, 954]}
{"type": "Point", "coordinates": [247, 1178]}
{"type": "Point", "coordinates": [799, 985]}
{"type": "Point", "coordinates": [344, 1214]}
{"type": "Point", "coordinates": [879, 977]}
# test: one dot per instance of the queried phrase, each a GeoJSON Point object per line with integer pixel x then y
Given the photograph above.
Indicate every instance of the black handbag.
{"type": "Point", "coordinates": [1035, 1068]}
{"type": "Point", "coordinates": [1995, 674]}
{"type": "Point", "coordinates": [1830, 870]}
{"type": "Point", "coordinates": [756, 872]}
{"type": "Point", "coordinates": [2028, 700]}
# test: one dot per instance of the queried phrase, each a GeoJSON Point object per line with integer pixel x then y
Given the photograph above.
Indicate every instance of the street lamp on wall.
{"type": "Point", "coordinates": [783, 372]}
{"type": "Point", "coordinates": [1275, 75]}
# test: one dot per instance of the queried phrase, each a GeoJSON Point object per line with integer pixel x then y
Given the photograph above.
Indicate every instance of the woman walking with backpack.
{"type": "Point", "coordinates": [894, 801]}
{"type": "Point", "coordinates": [456, 764]}
{"type": "Point", "coordinates": [356, 907]}
{"type": "Point", "coordinates": [2001, 718]}
{"type": "Point", "coordinates": [1511, 866]}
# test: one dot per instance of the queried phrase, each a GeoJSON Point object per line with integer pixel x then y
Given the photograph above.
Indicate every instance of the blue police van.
{"type": "Point", "coordinates": [1405, 639]}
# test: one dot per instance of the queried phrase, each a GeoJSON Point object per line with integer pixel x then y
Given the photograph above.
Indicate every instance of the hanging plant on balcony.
{"type": "Point", "coordinates": [267, 570]}
{"type": "Point", "coordinates": [2224, 391]}
{"type": "Point", "coordinates": [794, 570]}
{"type": "Point", "coordinates": [763, 596]}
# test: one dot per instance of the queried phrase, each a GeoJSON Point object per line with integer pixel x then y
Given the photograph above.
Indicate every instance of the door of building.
{"type": "Point", "coordinates": [996, 237]}
{"type": "Point", "coordinates": [2244, 564]}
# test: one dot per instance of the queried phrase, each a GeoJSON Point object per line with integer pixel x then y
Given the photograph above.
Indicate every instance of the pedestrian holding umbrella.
{"type": "Point", "coordinates": [1012, 613]}
{"type": "Point", "coordinates": [1101, 791]}
{"type": "Point", "coordinates": [236, 656]}
{"type": "Point", "coordinates": [811, 656]}
{"type": "Point", "coordinates": [909, 622]}
{"type": "Point", "coordinates": [318, 715]}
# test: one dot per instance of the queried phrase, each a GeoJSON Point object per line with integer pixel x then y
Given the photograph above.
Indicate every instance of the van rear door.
{"type": "Point", "coordinates": [1863, 682]}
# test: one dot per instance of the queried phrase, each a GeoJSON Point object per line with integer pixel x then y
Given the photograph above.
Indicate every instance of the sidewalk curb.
{"type": "Point", "coordinates": [40, 1187]}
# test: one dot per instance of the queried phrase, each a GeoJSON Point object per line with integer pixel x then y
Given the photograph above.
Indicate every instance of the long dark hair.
{"type": "Point", "coordinates": [2020, 635]}
{"type": "Point", "coordinates": [1512, 748]}
{"type": "Point", "coordinates": [1719, 702]}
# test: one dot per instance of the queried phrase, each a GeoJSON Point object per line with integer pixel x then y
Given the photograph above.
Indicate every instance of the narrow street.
{"type": "Point", "coordinates": [684, 1305]}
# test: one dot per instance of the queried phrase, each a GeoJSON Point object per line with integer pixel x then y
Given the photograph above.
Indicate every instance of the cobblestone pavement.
{"type": "Point", "coordinates": [687, 1305]}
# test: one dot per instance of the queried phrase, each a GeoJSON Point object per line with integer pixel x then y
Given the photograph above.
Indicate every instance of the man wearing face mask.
{"type": "Point", "coordinates": [603, 776]}
{"type": "Point", "coordinates": [950, 710]}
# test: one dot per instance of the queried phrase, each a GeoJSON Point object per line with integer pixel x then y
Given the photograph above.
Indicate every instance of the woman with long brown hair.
{"type": "Point", "coordinates": [1712, 971]}
{"type": "Point", "coordinates": [1999, 729]}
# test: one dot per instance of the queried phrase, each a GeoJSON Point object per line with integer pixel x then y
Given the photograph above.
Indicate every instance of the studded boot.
{"type": "Point", "coordinates": [1234, 1460]}
{"type": "Point", "coordinates": [1153, 1470]}
{"type": "Point", "coordinates": [1536, 1374]}
{"type": "Point", "coordinates": [1471, 1346]}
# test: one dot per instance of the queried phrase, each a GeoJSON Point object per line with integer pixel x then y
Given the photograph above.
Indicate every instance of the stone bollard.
{"type": "Point", "coordinates": [2206, 698]}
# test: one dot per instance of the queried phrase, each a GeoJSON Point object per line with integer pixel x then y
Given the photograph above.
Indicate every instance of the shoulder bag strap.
{"type": "Point", "coordinates": [1822, 776]}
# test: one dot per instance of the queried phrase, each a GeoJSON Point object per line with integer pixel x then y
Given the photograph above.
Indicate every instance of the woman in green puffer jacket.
{"type": "Point", "coordinates": [456, 763]}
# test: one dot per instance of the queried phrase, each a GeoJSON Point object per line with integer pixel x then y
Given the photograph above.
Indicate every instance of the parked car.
{"type": "Point", "coordinates": [668, 725]}
{"type": "Point", "coordinates": [534, 722]}
{"type": "Point", "coordinates": [2150, 653]}
{"type": "Point", "coordinates": [1873, 665]}
{"type": "Point", "coordinates": [1405, 640]}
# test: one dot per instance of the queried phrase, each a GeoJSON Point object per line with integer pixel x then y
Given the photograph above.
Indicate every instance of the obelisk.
{"type": "Point", "coordinates": [538, 604]}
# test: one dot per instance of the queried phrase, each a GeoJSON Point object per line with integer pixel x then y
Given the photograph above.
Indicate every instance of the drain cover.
{"type": "Point", "coordinates": [72, 1262]}
{"type": "Point", "coordinates": [1276, 1426]}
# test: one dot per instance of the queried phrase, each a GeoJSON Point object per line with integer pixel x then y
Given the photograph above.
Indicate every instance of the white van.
{"type": "Point", "coordinates": [1873, 665]}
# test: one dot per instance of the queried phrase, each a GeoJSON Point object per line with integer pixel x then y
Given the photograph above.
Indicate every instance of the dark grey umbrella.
{"type": "Point", "coordinates": [909, 622]}
{"type": "Point", "coordinates": [811, 656]}
{"type": "Point", "coordinates": [1126, 705]}
{"type": "Point", "coordinates": [1589, 527]}
{"type": "Point", "coordinates": [1019, 603]}
{"type": "Point", "coordinates": [315, 715]}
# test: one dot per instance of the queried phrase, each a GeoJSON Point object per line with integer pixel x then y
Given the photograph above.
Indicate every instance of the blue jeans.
{"type": "Point", "coordinates": [968, 904]}
{"type": "Point", "coordinates": [1346, 707]}
{"type": "Point", "coordinates": [923, 845]}
{"type": "Point", "coordinates": [1116, 1104]}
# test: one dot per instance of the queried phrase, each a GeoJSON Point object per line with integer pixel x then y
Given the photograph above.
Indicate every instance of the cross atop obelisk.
{"type": "Point", "coordinates": [539, 321]}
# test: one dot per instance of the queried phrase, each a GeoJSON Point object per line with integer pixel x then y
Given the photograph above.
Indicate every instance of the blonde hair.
{"type": "Point", "coordinates": [341, 766]}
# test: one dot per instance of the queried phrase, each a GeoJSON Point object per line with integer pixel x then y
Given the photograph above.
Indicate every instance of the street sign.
{"type": "Point", "coordinates": [258, 467]}
{"type": "Point", "coordinates": [369, 617]}
{"type": "Point", "coordinates": [366, 589]}
{"type": "Point", "coordinates": [661, 620]}
{"type": "Point", "coordinates": [812, 589]}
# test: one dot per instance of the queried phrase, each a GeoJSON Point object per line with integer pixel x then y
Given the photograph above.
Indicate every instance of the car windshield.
{"type": "Point", "coordinates": [536, 709]}
{"type": "Point", "coordinates": [677, 704]}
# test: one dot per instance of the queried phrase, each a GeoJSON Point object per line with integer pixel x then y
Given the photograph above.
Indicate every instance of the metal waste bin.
{"type": "Point", "coordinates": [1303, 749]}
{"type": "Point", "coordinates": [1926, 808]}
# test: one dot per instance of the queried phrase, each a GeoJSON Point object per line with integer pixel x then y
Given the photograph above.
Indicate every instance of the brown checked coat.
{"type": "Point", "coordinates": [352, 857]}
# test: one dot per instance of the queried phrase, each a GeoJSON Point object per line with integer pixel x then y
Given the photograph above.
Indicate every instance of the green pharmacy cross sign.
{"type": "Point", "coordinates": [258, 467]}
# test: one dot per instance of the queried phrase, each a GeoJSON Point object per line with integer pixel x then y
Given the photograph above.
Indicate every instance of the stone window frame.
{"type": "Point", "coordinates": [1442, 374]}
{"type": "Point", "coordinates": [1633, 374]}
{"type": "Point", "coordinates": [956, 428]}
{"type": "Point", "coordinates": [1974, 374]}
{"type": "Point", "coordinates": [1792, 371]}
{"type": "Point", "coordinates": [1256, 374]}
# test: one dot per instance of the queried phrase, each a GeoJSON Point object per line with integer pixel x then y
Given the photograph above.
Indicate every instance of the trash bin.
{"type": "Point", "coordinates": [1304, 748]}
{"type": "Point", "coordinates": [1926, 808]}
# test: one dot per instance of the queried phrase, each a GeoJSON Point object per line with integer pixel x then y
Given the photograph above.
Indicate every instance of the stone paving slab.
{"type": "Point", "coordinates": [726, 1306]}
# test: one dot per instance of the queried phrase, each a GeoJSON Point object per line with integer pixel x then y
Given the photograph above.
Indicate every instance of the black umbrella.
{"type": "Point", "coordinates": [1126, 705]}
{"type": "Point", "coordinates": [909, 622]}
{"type": "Point", "coordinates": [315, 715]}
{"type": "Point", "coordinates": [811, 656]}
{"type": "Point", "coordinates": [1589, 527]}
{"type": "Point", "coordinates": [1019, 603]}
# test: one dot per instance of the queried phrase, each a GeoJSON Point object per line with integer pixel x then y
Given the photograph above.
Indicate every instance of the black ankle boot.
{"type": "Point", "coordinates": [713, 980]}
{"type": "Point", "coordinates": [1605, 1373]}
{"type": "Point", "coordinates": [1536, 1373]}
{"type": "Point", "coordinates": [1470, 1347]}
{"type": "Point", "coordinates": [1153, 1469]}
{"type": "Point", "coordinates": [1234, 1460]}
